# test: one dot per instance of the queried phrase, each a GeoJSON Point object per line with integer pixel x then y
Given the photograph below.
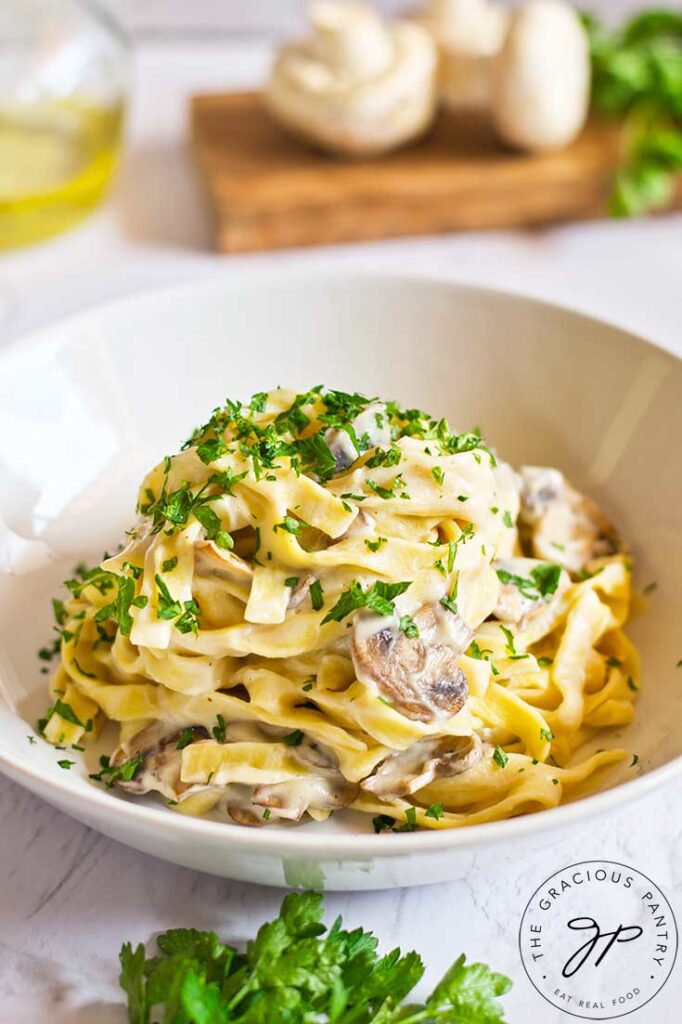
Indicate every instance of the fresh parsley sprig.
{"type": "Point", "coordinates": [296, 970]}
{"type": "Point", "coordinates": [637, 75]}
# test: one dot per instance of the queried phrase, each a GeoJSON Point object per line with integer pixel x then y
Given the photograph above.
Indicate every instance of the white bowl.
{"type": "Point", "coordinates": [87, 405]}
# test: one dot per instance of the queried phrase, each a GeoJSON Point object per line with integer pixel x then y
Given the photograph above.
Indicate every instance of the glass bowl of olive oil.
{"type": "Point", "coordinates": [64, 74]}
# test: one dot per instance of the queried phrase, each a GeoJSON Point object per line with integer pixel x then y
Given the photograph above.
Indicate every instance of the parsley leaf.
{"type": "Point", "coordinates": [542, 582]}
{"type": "Point", "coordinates": [297, 970]}
{"type": "Point", "coordinates": [293, 739]}
{"type": "Point", "coordinates": [409, 627]}
{"type": "Point", "coordinates": [379, 598]}
{"type": "Point", "coordinates": [499, 757]}
{"type": "Point", "coordinates": [316, 595]}
{"type": "Point", "coordinates": [110, 773]}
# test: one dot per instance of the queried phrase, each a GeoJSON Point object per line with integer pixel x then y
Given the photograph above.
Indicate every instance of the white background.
{"type": "Point", "coordinates": [69, 897]}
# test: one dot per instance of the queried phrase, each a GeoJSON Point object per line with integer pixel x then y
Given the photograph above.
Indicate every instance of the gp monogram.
{"type": "Point", "coordinates": [598, 940]}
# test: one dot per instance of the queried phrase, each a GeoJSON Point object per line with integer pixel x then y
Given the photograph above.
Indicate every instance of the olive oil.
{"type": "Point", "coordinates": [56, 161]}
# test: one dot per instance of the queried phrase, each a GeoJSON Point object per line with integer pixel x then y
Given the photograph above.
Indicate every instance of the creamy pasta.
{"type": "Point", "coordinates": [329, 601]}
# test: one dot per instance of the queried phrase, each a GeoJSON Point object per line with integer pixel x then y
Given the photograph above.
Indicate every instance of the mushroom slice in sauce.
{"type": "Point", "coordinates": [300, 591]}
{"type": "Point", "coordinates": [519, 604]}
{"type": "Point", "coordinates": [559, 524]}
{"type": "Point", "coordinates": [324, 788]}
{"type": "Point", "coordinates": [367, 425]}
{"type": "Point", "coordinates": [426, 760]}
{"type": "Point", "coordinates": [220, 562]}
{"type": "Point", "coordinates": [293, 798]}
{"type": "Point", "coordinates": [419, 677]}
{"type": "Point", "coordinates": [162, 764]}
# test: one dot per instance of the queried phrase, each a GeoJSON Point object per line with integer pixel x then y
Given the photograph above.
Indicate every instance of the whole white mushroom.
{"type": "Point", "coordinates": [541, 81]}
{"type": "Point", "coordinates": [469, 34]}
{"type": "Point", "coordinates": [356, 85]}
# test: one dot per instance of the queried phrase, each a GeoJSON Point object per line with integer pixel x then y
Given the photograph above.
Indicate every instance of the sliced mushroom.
{"type": "Point", "coordinates": [418, 676]}
{"type": "Point", "coordinates": [324, 788]}
{"type": "Point", "coordinates": [300, 591]}
{"type": "Point", "coordinates": [559, 524]}
{"type": "Point", "coordinates": [245, 816]}
{"type": "Point", "coordinates": [162, 760]}
{"type": "Point", "coordinates": [412, 769]}
{"type": "Point", "coordinates": [221, 562]}
{"type": "Point", "coordinates": [521, 597]}
{"type": "Point", "coordinates": [293, 798]}
{"type": "Point", "coordinates": [371, 424]}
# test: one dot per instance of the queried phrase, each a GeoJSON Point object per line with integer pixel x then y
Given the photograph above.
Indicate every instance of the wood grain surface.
{"type": "Point", "coordinates": [267, 190]}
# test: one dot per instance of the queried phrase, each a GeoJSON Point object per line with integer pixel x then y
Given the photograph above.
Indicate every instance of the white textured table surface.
{"type": "Point", "coordinates": [69, 897]}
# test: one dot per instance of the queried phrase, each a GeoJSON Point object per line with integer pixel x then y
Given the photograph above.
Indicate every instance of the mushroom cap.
{"type": "Point", "coordinates": [469, 35]}
{"type": "Point", "coordinates": [559, 524]}
{"type": "Point", "coordinates": [410, 770]}
{"type": "Point", "coordinates": [541, 83]}
{"type": "Point", "coordinates": [356, 85]}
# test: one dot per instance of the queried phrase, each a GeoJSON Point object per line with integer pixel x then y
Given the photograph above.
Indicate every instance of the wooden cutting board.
{"type": "Point", "coordinates": [268, 191]}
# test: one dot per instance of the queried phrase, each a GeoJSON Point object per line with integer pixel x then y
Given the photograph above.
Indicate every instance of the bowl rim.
{"type": "Point", "coordinates": [353, 845]}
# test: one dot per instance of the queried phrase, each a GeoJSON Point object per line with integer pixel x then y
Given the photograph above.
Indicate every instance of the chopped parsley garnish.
{"type": "Point", "coordinates": [383, 822]}
{"type": "Point", "coordinates": [169, 564]}
{"type": "Point", "coordinates": [542, 582]}
{"type": "Point", "coordinates": [378, 598]}
{"type": "Point", "coordinates": [258, 401]}
{"type": "Point", "coordinates": [293, 739]}
{"type": "Point", "coordinates": [66, 764]}
{"type": "Point", "coordinates": [292, 581]}
{"type": "Point", "coordinates": [64, 711]}
{"type": "Point", "coordinates": [614, 662]}
{"type": "Point", "coordinates": [635, 760]}
{"type": "Point", "coordinates": [500, 758]}
{"type": "Point", "coordinates": [316, 456]}
{"type": "Point", "coordinates": [507, 519]}
{"type": "Point", "coordinates": [409, 627]}
{"type": "Point", "coordinates": [545, 662]}
{"type": "Point", "coordinates": [384, 457]}
{"type": "Point", "coordinates": [316, 595]}
{"type": "Point", "coordinates": [375, 545]}
{"type": "Point", "coordinates": [449, 602]}
{"type": "Point", "coordinates": [410, 823]}
{"type": "Point", "coordinates": [509, 646]}
{"type": "Point", "coordinates": [290, 525]}
{"type": "Point", "coordinates": [226, 480]}
{"type": "Point", "coordinates": [209, 451]}
{"type": "Point", "coordinates": [59, 610]}
{"type": "Point", "coordinates": [396, 490]}
{"type": "Point", "coordinates": [184, 739]}
{"type": "Point", "coordinates": [220, 730]}
{"type": "Point", "coordinates": [438, 474]}
{"type": "Point", "coordinates": [119, 609]}
{"type": "Point", "coordinates": [632, 685]}
{"type": "Point", "coordinates": [545, 734]}
{"type": "Point", "coordinates": [435, 811]}
{"type": "Point", "coordinates": [110, 773]}
{"type": "Point", "coordinates": [185, 613]}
